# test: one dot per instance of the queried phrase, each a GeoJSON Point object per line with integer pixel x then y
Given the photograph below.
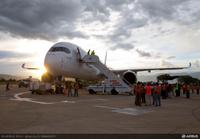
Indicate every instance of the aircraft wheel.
{"type": "Point", "coordinates": [114, 92]}
{"type": "Point", "coordinates": [91, 91]}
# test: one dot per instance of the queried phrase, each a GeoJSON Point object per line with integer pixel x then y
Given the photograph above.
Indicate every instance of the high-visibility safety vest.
{"type": "Point", "coordinates": [69, 87]}
{"type": "Point", "coordinates": [158, 89]}
{"type": "Point", "coordinates": [164, 87]}
{"type": "Point", "coordinates": [138, 89]}
{"type": "Point", "coordinates": [92, 53]}
{"type": "Point", "coordinates": [176, 88]}
{"type": "Point", "coordinates": [76, 86]}
{"type": "Point", "coordinates": [148, 89]}
{"type": "Point", "coordinates": [188, 87]}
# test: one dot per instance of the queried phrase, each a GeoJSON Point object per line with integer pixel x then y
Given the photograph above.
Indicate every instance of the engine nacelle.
{"type": "Point", "coordinates": [47, 77]}
{"type": "Point", "coordinates": [129, 77]}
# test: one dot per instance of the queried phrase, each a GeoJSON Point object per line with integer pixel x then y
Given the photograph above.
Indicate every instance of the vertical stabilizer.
{"type": "Point", "coordinates": [105, 59]}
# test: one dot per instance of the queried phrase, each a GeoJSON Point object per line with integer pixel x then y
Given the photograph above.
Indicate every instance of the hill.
{"type": "Point", "coordinates": [7, 77]}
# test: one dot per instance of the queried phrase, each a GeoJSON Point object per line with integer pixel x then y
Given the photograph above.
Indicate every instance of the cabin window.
{"type": "Point", "coordinates": [58, 49]}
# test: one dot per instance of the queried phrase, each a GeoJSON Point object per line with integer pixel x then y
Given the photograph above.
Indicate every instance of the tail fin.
{"type": "Point", "coordinates": [105, 59]}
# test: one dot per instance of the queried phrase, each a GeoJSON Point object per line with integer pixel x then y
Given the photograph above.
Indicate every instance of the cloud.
{"type": "Point", "coordinates": [171, 57]}
{"type": "Point", "coordinates": [51, 20]}
{"type": "Point", "coordinates": [142, 53]}
{"type": "Point", "coordinates": [166, 64]}
{"type": "Point", "coordinates": [124, 46]}
{"type": "Point", "coordinates": [196, 64]}
{"type": "Point", "coordinates": [8, 54]}
{"type": "Point", "coordinates": [45, 19]}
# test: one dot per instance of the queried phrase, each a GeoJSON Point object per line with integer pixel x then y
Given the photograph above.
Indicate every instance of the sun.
{"type": "Point", "coordinates": [38, 73]}
{"type": "Point", "coordinates": [41, 71]}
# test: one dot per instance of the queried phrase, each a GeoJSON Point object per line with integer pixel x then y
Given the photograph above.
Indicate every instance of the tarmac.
{"type": "Point", "coordinates": [26, 113]}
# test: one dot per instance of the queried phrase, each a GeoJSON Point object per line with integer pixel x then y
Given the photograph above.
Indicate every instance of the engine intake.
{"type": "Point", "coordinates": [47, 77]}
{"type": "Point", "coordinates": [129, 77]}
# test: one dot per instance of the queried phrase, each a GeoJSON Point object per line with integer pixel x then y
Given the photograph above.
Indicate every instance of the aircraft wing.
{"type": "Point", "coordinates": [23, 66]}
{"type": "Point", "coordinates": [150, 69]}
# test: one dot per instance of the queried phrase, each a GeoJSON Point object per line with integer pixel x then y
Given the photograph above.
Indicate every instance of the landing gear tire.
{"type": "Point", "coordinates": [91, 91]}
{"type": "Point", "coordinates": [114, 92]}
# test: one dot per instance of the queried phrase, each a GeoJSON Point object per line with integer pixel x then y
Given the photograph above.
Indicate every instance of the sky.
{"type": "Point", "coordinates": [134, 33]}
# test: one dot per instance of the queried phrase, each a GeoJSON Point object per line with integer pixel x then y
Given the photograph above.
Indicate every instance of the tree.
{"type": "Point", "coordinates": [2, 80]}
{"type": "Point", "coordinates": [163, 78]}
{"type": "Point", "coordinates": [188, 80]}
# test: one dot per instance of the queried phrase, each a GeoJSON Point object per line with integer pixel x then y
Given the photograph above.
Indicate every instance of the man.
{"type": "Point", "coordinates": [148, 95]}
{"type": "Point", "coordinates": [184, 87]}
{"type": "Point", "coordinates": [158, 94]}
{"type": "Point", "coordinates": [138, 95]}
{"type": "Point", "coordinates": [69, 89]}
{"type": "Point", "coordinates": [143, 94]}
{"type": "Point", "coordinates": [176, 89]}
{"type": "Point", "coordinates": [7, 86]}
{"type": "Point", "coordinates": [76, 87]}
{"type": "Point", "coordinates": [197, 88]}
{"type": "Point", "coordinates": [164, 89]}
{"type": "Point", "coordinates": [187, 91]}
{"type": "Point", "coordinates": [88, 53]}
{"type": "Point", "coordinates": [153, 94]}
{"type": "Point", "coordinates": [93, 53]}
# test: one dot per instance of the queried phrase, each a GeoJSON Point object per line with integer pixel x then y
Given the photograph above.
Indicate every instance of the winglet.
{"type": "Point", "coordinates": [189, 65]}
{"type": "Point", "coordinates": [23, 66]}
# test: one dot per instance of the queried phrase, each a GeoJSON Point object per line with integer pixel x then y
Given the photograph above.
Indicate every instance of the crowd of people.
{"type": "Point", "coordinates": [152, 94]}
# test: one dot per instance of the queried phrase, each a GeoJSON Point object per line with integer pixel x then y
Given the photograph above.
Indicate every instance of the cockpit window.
{"type": "Point", "coordinates": [63, 49]}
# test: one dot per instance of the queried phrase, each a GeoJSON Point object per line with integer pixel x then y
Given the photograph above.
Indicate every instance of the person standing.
{"type": "Point", "coordinates": [76, 87]}
{"type": "Point", "coordinates": [7, 86]}
{"type": "Point", "coordinates": [187, 91]}
{"type": "Point", "coordinates": [197, 88]}
{"type": "Point", "coordinates": [143, 94]}
{"type": "Point", "coordinates": [170, 88]}
{"type": "Point", "coordinates": [164, 91]}
{"type": "Point", "coordinates": [66, 85]}
{"type": "Point", "coordinates": [138, 95]}
{"type": "Point", "coordinates": [179, 90]}
{"type": "Point", "coordinates": [69, 89]}
{"type": "Point", "coordinates": [93, 53]}
{"type": "Point", "coordinates": [158, 94]}
{"type": "Point", "coordinates": [88, 53]}
{"type": "Point", "coordinates": [176, 89]}
{"type": "Point", "coordinates": [148, 94]}
{"type": "Point", "coordinates": [192, 89]}
{"type": "Point", "coordinates": [184, 88]}
{"type": "Point", "coordinates": [153, 94]}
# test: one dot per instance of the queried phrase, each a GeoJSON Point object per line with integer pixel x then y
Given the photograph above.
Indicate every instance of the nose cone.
{"type": "Point", "coordinates": [51, 64]}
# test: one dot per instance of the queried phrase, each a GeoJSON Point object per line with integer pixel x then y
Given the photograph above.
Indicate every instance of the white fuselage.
{"type": "Point", "coordinates": [62, 60]}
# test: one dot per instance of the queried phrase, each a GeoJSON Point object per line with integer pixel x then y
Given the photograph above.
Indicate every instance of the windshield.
{"type": "Point", "coordinates": [63, 49]}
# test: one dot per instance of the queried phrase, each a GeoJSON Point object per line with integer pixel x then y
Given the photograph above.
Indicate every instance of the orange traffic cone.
{"type": "Point", "coordinates": [64, 94]}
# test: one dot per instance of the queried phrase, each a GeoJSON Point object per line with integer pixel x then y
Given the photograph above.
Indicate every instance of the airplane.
{"type": "Point", "coordinates": [64, 59]}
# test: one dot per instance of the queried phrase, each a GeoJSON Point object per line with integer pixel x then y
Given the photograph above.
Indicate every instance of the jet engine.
{"type": "Point", "coordinates": [129, 77]}
{"type": "Point", "coordinates": [47, 77]}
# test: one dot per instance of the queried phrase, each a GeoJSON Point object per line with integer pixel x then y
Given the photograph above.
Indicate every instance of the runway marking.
{"type": "Point", "coordinates": [130, 111]}
{"type": "Point", "coordinates": [38, 102]}
{"type": "Point", "coordinates": [32, 100]}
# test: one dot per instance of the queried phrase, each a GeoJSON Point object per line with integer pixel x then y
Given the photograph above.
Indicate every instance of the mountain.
{"type": "Point", "coordinates": [7, 77]}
